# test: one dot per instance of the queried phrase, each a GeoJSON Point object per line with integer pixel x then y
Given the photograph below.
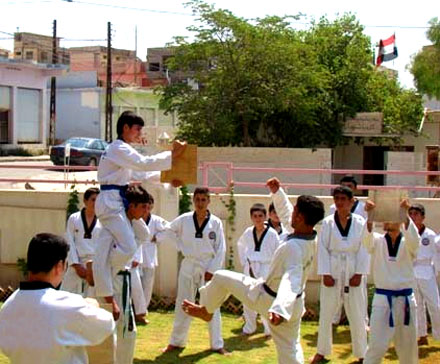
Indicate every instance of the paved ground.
{"type": "Point", "coordinates": [42, 173]}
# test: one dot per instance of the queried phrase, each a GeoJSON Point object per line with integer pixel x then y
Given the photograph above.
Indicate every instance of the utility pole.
{"type": "Point", "coordinates": [108, 98]}
{"type": "Point", "coordinates": [135, 53]}
{"type": "Point", "coordinates": [53, 86]}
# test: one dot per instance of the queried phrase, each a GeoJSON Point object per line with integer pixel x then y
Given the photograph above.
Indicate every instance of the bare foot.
{"type": "Point", "coordinates": [171, 348]}
{"type": "Point", "coordinates": [221, 351]}
{"type": "Point", "coordinates": [198, 311]}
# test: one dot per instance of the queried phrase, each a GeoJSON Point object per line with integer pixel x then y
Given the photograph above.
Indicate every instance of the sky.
{"type": "Point", "coordinates": [158, 21]}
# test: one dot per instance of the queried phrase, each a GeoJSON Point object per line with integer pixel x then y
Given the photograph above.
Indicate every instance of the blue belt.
{"type": "Point", "coordinates": [122, 190]}
{"type": "Point", "coordinates": [390, 293]}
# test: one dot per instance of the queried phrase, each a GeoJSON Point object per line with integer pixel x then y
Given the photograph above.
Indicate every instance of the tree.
{"type": "Point", "coordinates": [425, 66]}
{"type": "Point", "coordinates": [262, 83]}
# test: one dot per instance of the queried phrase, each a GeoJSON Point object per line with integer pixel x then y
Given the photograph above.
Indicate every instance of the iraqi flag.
{"type": "Point", "coordinates": [387, 50]}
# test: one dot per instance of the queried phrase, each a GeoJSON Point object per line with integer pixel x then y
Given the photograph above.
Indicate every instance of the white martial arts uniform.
{"type": "Point", "coordinates": [281, 293]}
{"type": "Point", "coordinates": [393, 272]}
{"type": "Point", "coordinates": [283, 233]}
{"type": "Point", "coordinates": [204, 250]}
{"type": "Point", "coordinates": [137, 293]}
{"type": "Point", "coordinates": [112, 278]}
{"type": "Point", "coordinates": [117, 165]}
{"type": "Point", "coordinates": [426, 289]}
{"type": "Point", "coordinates": [342, 255]}
{"type": "Point", "coordinates": [41, 325]}
{"type": "Point", "coordinates": [255, 257]}
{"type": "Point", "coordinates": [82, 240]}
{"type": "Point", "coordinates": [149, 255]}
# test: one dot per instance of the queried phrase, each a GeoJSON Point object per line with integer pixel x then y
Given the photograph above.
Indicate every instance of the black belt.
{"type": "Point", "coordinates": [126, 299]}
{"type": "Point", "coordinates": [273, 294]}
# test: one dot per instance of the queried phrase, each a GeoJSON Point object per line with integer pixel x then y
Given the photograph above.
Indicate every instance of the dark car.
{"type": "Point", "coordinates": [83, 151]}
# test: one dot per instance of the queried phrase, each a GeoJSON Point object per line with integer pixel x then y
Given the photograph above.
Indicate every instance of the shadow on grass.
{"type": "Point", "coordinates": [240, 343]}
{"type": "Point", "coordinates": [341, 335]}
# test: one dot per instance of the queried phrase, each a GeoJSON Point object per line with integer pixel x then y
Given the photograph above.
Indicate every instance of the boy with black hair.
{"type": "Point", "coordinates": [81, 232]}
{"type": "Point", "coordinates": [426, 268]}
{"type": "Point", "coordinates": [358, 206]}
{"type": "Point", "coordinates": [111, 272]}
{"type": "Point", "coordinates": [199, 236]}
{"type": "Point", "coordinates": [38, 323]}
{"type": "Point", "coordinates": [393, 314]}
{"type": "Point", "coordinates": [343, 263]}
{"type": "Point", "coordinates": [256, 247]}
{"type": "Point", "coordinates": [279, 297]}
{"type": "Point", "coordinates": [274, 222]}
{"type": "Point", "coordinates": [119, 161]}
{"type": "Point", "coordinates": [150, 261]}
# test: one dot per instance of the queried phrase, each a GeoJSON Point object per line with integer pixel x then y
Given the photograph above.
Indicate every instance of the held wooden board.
{"type": "Point", "coordinates": [388, 205]}
{"type": "Point", "coordinates": [103, 353]}
{"type": "Point", "coordinates": [184, 168]}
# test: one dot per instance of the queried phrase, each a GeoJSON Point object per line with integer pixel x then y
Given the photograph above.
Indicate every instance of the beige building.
{"type": "Point", "coordinates": [38, 48]}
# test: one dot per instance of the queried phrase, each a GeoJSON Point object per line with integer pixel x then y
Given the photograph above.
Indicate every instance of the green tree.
{"type": "Point", "coordinates": [262, 83]}
{"type": "Point", "coordinates": [425, 66]}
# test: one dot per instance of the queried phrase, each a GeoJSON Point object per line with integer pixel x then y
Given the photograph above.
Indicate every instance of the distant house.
{"type": "Point", "coordinates": [127, 69]}
{"type": "Point", "coordinates": [23, 100]}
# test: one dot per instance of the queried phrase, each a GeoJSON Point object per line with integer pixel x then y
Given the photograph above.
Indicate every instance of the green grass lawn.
{"type": "Point", "coordinates": [255, 349]}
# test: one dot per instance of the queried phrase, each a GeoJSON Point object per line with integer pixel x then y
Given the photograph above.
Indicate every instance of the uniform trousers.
{"type": "Point", "coordinates": [427, 293]}
{"type": "Point", "coordinates": [381, 334]}
{"type": "Point", "coordinates": [285, 336]}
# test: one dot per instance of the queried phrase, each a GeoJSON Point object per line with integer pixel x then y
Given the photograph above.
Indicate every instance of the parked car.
{"type": "Point", "coordinates": [83, 151]}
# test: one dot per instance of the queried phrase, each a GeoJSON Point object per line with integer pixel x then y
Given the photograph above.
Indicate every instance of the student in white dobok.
{"type": "Point", "coordinates": [274, 222]}
{"type": "Point", "coordinates": [393, 315]}
{"type": "Point", "coordinates": [149, 252]}
{"type": "Point", "coordinates": [82, 229]}
{"type": "Point", "coordinates": [358, 208]}
{"type": "Point", "coordinates": [112, 278]}
{"type": "Point", "coordinates": [40, 324]}
{"type": "Point", "coordinates": [118, 163]}
{"type": "Point", "coordinates": [256, 248]}
{"type": "Point", "coordinates": [280, 297]}
{"type": "Point", "coordinates": [200, 238]}
{"type": "Point", "coordinates": [343, 264]}
{"type": "Point", "coordinates": [426, 269]}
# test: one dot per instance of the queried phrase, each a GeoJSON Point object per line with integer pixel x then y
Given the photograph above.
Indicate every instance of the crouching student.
{"type": "Point", "coordinates": [393, 315]}
{"type": "Point", "coordinates": [40, 324]}
{"type": "Point", "coordinates": [280, 297]}
{"type": "Point", "coordinates": [111, 272]}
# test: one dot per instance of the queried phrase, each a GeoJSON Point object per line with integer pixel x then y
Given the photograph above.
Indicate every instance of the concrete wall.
{"type": "Point", "coordinates": [25, 213]}
{"type": "Point", "coordinates": [267, 158]}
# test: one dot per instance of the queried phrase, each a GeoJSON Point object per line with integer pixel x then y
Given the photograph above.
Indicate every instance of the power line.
{"type": "Point", "coordinates": [134, 9]}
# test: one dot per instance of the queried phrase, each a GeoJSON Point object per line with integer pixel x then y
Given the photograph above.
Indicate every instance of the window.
{"type": "Point", "coordinates": [147, 114]}
{"type": "Point", "coordinates": [18, 54]}
{"type": "Point", "coordinates": [165, 119]}
{"type": "Point", "coordinates": [29, 55]}
{"type": "Point", "coordinates": [154, 67]}
{"type": "Point", "coordinates": [44, 57]}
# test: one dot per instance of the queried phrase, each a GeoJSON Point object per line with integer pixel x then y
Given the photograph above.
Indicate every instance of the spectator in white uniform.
{"type": "Point", "coordinates": [81, 232]}
{"type": "Point", "coordinates": [199, 236]}
{"type": "Point", "coordinates": [343, 264]}
{"type": "Point", "coordinates": [426, 269]}
{"type": "Point", "coordinates": [149, 252]}
{"type": "Point", "coordinates": [256, 247]}
{"type": "Point", "coordinates": [41, 325]}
